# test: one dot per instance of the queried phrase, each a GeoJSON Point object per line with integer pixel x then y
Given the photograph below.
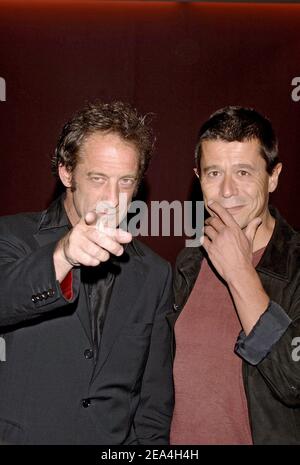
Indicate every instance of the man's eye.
{"type": "Point", "coordinates": [98, 179]}
{"type": "Point", "coordinates": [213, 174]}
{"type": "Point", "coordinates": [243, 173]}
{"type": "Point", "coordinates": [128, 182]}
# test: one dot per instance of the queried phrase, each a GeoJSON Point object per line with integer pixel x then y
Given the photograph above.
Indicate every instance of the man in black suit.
{"type": "Point", "coordinates": [82, 305]}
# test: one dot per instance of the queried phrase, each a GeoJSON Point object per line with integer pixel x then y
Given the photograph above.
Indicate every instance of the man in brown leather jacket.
{"type": "Point", "coordinates": [237, 296]}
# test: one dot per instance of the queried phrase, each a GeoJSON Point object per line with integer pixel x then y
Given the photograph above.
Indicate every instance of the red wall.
{"type": "Point", "coordinates": [181, 61]}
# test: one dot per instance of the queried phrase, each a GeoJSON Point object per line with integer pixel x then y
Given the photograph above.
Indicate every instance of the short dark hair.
{"type": "Point", "coordinates": [235, 123]}
{"type": "Point", "coordinates": [116, 117]}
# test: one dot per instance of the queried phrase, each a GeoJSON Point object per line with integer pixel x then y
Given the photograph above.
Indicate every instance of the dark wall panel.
{"type": "Point", "coordinates": [181, 61]}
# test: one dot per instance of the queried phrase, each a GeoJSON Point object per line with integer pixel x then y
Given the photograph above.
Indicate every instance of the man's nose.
{"type": "Point", "coordinates": [228, 186]}
{"type": "Point", "coordinates": [111, 195]}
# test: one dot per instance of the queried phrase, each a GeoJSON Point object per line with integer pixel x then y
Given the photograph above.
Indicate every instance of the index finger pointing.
{"type": "Point", "coordinates": [117, 234]}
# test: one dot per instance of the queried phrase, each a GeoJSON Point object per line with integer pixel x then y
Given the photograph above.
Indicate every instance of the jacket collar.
{"type": "Point", "coordinates": [189, 262]}
{"type": "Point", "coordinates": [55, 216]}
{"type": "Point", "coordinates": [275, 259]}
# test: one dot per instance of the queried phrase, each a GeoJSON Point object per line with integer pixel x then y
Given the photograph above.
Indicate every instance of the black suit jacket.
{"type": "Point", "coordinates": [52, 389]}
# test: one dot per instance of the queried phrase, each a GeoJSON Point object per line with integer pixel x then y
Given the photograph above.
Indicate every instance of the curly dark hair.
{"type": "Point", "coordinates": [235, 123]}
{"type": "Point", "coordinates": [116, 117]}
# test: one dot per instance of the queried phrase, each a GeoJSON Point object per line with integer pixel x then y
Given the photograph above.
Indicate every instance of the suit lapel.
{"type": "Point", "coordinates": [50, 235]}
{"type": "Point", "coordinates": [129, 281]}
{"type": "Point", "coordinates": [83, 312]}
{"type": "Point", "coordinates": [128, 284]}
{"type": "Point", "coordinates": [53, 226]}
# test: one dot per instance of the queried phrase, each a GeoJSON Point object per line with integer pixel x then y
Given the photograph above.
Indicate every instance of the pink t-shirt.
{"type": "Point", "coordinates": [210, 401]}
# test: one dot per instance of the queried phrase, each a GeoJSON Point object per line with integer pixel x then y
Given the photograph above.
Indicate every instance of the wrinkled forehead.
{"type": "Point", "coordinates": [223, 152]}
{"type": "Point", "coordinates": [98, 138]}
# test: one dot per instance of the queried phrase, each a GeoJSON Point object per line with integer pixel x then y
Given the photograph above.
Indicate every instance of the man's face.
{"type": "Point", "coordinates": [107, 171]}
{"type": "Point", "coordinates": [234, 174]}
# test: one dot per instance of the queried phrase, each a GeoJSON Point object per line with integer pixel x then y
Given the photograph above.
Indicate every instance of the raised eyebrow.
{"type": "Point", "coordinates": [129, 176]}
{"type": "Point", "coordinates": [93, 173]}
{"type": "Point", "coordinates": [244, 166]}
{"type": "Point", "coordinates": [211, 167]}
{"type": "Point", "coordinates": [96, 173]}
{"type": "Point", "coordinates": [238, 165]}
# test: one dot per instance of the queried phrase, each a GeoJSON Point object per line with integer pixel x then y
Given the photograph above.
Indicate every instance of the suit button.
{"type": "Point", "coordinates": [38, 297]}
{"type": "Point", "coordinates": [86, 403]}
{"type": "Point", "coordinates": [50, 293]}
{"type": "Point", "coordinates": [33, 298]}
{"type": "Point", "coordinates": [45, 295]}
{"type": "Point", "coordinates": [88, 353]}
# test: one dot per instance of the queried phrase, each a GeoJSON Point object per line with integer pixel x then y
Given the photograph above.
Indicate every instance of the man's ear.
{"type": "Point", "coordinates": [273, 178]}
{"type": "Point", "coordinates": [65, 176]}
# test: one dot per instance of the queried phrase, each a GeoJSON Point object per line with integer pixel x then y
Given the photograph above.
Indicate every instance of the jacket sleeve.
{"type": "Point", "coordinates": [28, 285]}
{"type": "Point", "coordinates": [153, 417]}
{"type": "Point", "coordinates": [272, 347]}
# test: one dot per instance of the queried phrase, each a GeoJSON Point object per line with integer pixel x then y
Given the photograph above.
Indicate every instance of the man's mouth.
{"type": "Point", "coordinates": [235, 209]}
